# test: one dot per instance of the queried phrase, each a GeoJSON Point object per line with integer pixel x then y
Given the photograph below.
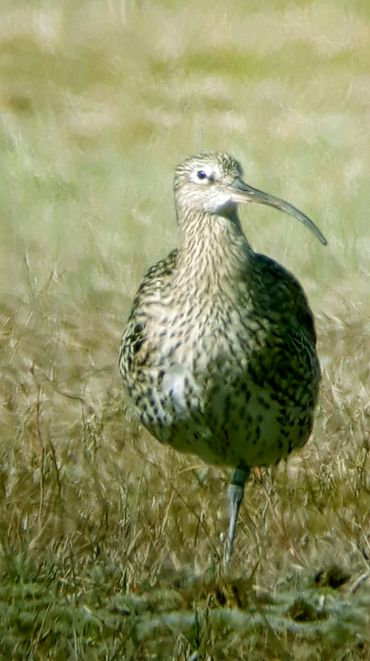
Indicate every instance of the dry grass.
{"type": "Point", "coordinates": [110, 544]}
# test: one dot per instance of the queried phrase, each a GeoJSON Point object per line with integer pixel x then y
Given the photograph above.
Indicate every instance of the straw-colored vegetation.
{"type": "Point", "coordinates": [111, 544]}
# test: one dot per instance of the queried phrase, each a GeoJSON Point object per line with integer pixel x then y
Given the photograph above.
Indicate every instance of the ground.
{"type": "Point", "coordinates": [111, 544]}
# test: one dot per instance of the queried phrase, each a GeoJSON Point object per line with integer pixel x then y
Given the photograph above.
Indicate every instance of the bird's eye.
{"type": "Point", "coordinates": [201, 174]}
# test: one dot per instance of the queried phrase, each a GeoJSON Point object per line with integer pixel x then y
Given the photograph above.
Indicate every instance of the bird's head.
{"type": "Point", "coordinates": [212, 183]}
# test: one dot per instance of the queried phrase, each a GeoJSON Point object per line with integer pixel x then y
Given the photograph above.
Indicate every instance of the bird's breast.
{"type": "Point", "coordinates": [218, 381]}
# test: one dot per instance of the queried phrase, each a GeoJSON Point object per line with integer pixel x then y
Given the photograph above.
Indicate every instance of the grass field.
{"type": "Point", "coordinates": [110, 544]}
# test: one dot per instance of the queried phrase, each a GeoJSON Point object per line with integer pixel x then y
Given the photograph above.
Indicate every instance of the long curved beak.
{"type": "Point", "coordinates": [242, 192]}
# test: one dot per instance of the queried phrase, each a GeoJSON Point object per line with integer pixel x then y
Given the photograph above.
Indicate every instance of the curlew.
{"type": "Point", "coordinates": [219, 352]}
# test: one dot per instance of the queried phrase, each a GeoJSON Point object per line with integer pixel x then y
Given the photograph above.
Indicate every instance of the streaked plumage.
{"type": "Point", "coordinates": [219, 354]}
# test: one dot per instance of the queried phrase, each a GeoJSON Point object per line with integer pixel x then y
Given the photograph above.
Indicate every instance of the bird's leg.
{"type": "Point", "coordinates": [236, 493]}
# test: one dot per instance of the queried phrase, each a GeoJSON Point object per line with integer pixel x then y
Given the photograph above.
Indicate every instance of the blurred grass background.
{"type": "Point", "coordinates": [110, 544]}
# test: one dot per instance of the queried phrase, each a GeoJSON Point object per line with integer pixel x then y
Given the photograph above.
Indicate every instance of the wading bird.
{"type": "Point", "coordinates": [219, 353]}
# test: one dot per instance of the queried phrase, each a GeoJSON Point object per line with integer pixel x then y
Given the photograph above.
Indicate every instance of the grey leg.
{"type": "Point", "coordinates": [236, 493]}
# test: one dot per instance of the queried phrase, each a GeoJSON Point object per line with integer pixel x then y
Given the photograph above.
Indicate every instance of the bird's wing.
{"type": "Point", "coordinates": [282, 294]}
{"type": "Point", "coordinates": [135, 344]}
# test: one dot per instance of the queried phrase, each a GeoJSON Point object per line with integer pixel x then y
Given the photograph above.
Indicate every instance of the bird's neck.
{"type": "Point", "coordinates": [213, 252]}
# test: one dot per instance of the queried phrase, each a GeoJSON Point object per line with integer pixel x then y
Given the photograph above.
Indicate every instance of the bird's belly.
{"type": "Point", "coordinates": [223, 416]}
